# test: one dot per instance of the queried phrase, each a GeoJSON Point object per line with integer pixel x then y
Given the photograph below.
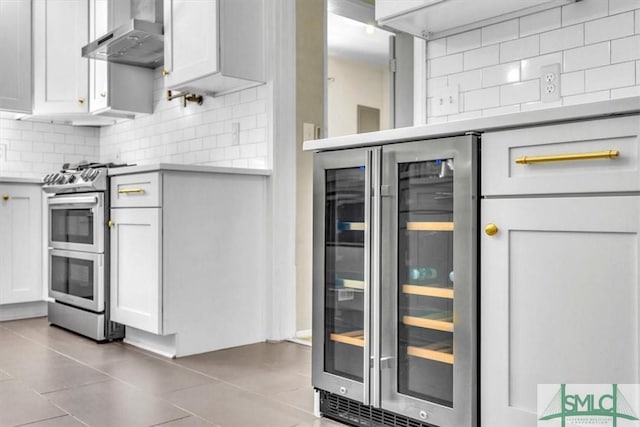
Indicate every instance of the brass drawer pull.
{"type": "Point", "coordinates": [611, 154]}
{"type": "Point", "coordinates": [130, 191]}
{"type": "Point", "coordinates": [5, 197]}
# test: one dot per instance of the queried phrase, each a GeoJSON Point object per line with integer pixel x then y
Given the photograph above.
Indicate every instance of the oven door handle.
{"type": "Point", "coordinates": [78, 200]}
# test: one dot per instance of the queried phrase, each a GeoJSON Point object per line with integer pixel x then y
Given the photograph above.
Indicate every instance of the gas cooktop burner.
{"type": "Point", "coordinates": [82, 177]}
{"type": "Point", "coordinates": [93, 165]}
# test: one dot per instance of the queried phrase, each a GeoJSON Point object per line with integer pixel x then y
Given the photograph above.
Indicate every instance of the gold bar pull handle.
{"type": "Point", "coordinates": [610, 154]}
{"type": "Point", "coordinates": [130, 191]}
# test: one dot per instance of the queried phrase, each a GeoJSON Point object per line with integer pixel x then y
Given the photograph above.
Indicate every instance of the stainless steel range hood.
{"type": "Point", "coordinates": [138, 42]}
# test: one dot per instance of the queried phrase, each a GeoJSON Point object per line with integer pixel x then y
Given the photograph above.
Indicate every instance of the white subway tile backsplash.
{"type": "Point", "coordinates": [446, 65]}
{"type": "Point", "coordinates": [482, 98]}
{"type": "Point", "coordinates": [610, 28]}
{"type": "Point", "coordinates": [584, 10]}
{"type": "Point", "coordinates": [612, 76]}
{"type": "Point", "coordinates": [617, 6]}
{"type": "Point", "coordinates": [519, 49]}
{"type": "Point", "coordinates": [587, 57]}
{"type": "Point", "coordinates": [540, 22]}
{"type": "Point", "coordinates": [482, 57]}
{"type": "Point", "coordinates": [464, 41]}
{"type": "Point", "coordinates": [637, 21]}
{"type": "Point", "coordinates": [638, 72]}
{"type": "Point", "coordinates": [586, 98]}
{"type": "Point", "coordinates": [501, 110]}
{"type": "Point", "coordinates": [501, 32]}
{"type": "Point", "coordinates": [562, 39]}
{"type": "Point", "coordinates": [531, 67]}
{"type": "Point", "coordinates": [625, 92]}
{"type": "Point", "coordinates": [572, 83]}
{"type": "Point", "coordinates": [436, 83]}
{"type": "Point", "coordinates": [626, 49]}
{"type": "Point", "coordinates": [518, 93]}
{"type": "Point", "coordinates": [436, 48]}
{"type": "Point", "coordinates": [501, 74]}
{"type": "Point", "coordinates": [464, 116]}
{"type": "Point", "coordinates": [466, 81]}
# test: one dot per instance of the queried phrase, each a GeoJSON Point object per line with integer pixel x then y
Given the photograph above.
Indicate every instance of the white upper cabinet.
{"type": "Point", "coordinates": [15, 51]}
{"type": "Point", "coordinates": [60, 29]}
{"type": "Point", "coordinates": [426, 18]}
{"type": "Point", "coordinates": [214, 46]}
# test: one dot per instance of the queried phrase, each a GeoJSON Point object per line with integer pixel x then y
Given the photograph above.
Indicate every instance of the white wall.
{"type": "Point", "coordinates": [497, 68]}
{"type": "Point", "coordinates": [351, 84]}
{"type": "Point", "coordinates": [197, 134]}
{"type": "Point", "coordinates": [35, 149]}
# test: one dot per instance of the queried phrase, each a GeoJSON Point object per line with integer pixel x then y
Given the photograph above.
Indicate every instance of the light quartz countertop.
{"type": "Point", "coordinates": [594, 110]}
{"type": "Point", "coordinates": [16, 180]}
{"type": "Point", "coordinates": [175, 167]}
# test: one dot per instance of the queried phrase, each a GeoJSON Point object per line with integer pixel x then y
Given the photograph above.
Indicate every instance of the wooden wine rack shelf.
{"type": "Point", "coordinates": [430, 226]}
{"type": "Point", "coordinates": [350, 283]}
{"type": "Point", "coordinates": [436, 321]}
{"type": "Point", "coordinates": [351, 226]}
{"type": "Point", "coordinates": [352, 338]}
{"type": "Point", "coordinates": [440, 352]}
{"type": "Point", "coordinates": [428, 291]}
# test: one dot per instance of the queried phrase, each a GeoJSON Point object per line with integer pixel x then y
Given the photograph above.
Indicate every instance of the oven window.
{"type": "Point", "coordinates": [72, 276]}
{"type": "Point", "coordinates": [72, 226]}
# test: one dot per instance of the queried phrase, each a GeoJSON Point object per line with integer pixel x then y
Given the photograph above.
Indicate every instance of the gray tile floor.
{"type": "Point", "coordinates": [52, 378]}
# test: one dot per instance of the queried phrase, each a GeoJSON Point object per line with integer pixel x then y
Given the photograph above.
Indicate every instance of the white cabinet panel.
{"type": "Point", "coordinates": [559, 300]}
{"type": "Point", "coordinates": [15, 51]}
{"type": "Point", "coordinates": [60, 72]}
{"type": "Point", "coordinates": [214, 46]}
{"type": "Point", "coordinates": [20, 243]}
{"type": "Point", "coordinates": [136, 280]}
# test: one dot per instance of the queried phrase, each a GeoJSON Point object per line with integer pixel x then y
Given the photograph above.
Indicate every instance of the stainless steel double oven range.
{"type": "Point", "coordinates": [78, 242]}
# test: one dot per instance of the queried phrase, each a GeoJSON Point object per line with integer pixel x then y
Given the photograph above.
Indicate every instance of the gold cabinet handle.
{"type": "Point", "coordinates": [165, 72]}
{"type": "Point", "coordinates": [611, 154]}
{"type": "Point", "coordinates": [111, 224]}
{"type": "Point", "coordinates": [130, 191]}
{"type": "Point", "coordinates": [5, 197]}
{"type": "Point", "coordinates": [80, 101]}
{"type": "Point", "coordinates": [491, 229]}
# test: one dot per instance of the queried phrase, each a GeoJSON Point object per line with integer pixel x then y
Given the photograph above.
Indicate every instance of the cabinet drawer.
{"type": "Point", "coordinates": [505, 173]}
{"type": "Point", "coordinates": [138, 190]}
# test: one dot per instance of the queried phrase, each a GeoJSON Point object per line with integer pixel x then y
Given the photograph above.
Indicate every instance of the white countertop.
{"type": "Point", "coordinates": [506, 121]}
{"type": "Point", "coordinates": [16, 180]}
{"type": "Point", "coordinates": [175, 167]}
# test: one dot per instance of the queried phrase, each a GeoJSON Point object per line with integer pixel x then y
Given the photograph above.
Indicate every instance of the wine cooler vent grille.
{"type": "Point", "coordinates": [358, 415]}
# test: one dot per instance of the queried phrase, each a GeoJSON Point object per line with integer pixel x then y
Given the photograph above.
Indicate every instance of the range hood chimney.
{"type": "Point", "coordinates": [138, 42]}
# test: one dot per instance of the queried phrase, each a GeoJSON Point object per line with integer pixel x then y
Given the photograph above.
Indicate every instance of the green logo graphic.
{"type": "Point", "coordinates": [589, 408]}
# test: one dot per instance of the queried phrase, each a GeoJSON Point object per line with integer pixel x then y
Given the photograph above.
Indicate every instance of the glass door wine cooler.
{"type": "Point", "coordinates": [395, 283]}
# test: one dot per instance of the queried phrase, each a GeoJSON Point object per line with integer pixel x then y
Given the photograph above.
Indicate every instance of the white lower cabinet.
{"type": "Point", "coordinates": [136, 291]}
{"type": "Point", "coordinates": [20, 244]}
{"type": "Point", "coordinates": [559, 299]}
{"type": "Point", "coordinates": [188, 260]}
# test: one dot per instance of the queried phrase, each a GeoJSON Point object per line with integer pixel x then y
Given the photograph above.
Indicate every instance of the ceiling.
{"type": "Point", "coordinates": [348, 38]}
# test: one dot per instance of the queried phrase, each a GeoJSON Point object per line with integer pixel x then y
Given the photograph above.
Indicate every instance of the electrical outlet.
{"type": "Point", "coordinates": [550, 83]}
{"type": "Point", "coordinates": [235, 133]}
{"type": "Point", "coordinates": [446, 101]}
{"type": "Point", "coordinates": [3, 152]}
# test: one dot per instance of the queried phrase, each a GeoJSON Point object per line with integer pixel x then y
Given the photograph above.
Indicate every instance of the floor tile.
{"type": "Point", "coordinates": [320, 422]}
{"type": "Point", "coordinates": [65, 421]}
{"type": "Point", "coordinates": [4, 376]}
{"type": "Point", "coordinates": [188, 422]}
{"type": "Point", "coordinates": [19, 405]}
{"type": "Point", "coordinates": [271, 381]}
{"type": "Point", "coordinates": [154, 375]}
{"type": "Point", "coordinates": [64, 376]}
{"type": "Point", "coordinates": [231, 407]}
{"type": "Point", "coordinates": [301, 398]}
{"type": "Point", "coordinates": [114, 404]}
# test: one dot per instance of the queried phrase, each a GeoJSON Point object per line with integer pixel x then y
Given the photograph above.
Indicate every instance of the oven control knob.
{"type": "Point", "coordinates": [45, 178]}
{"type": "Point", "coordinates": [94, 174]}
{"type": "Point", "coordinates": [71, 179]}
{"type": "Point", "coordinates": [63, 179]}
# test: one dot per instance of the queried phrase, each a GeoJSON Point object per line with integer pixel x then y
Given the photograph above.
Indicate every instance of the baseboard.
{"type": "Point", "coordinates": [24, 310]}
{"type": "Point", "coordinates": [164, 346]}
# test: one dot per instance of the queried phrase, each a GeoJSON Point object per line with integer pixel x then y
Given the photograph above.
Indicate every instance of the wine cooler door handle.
{"type": "Point", "coordinates": [366, 365]}
{"type": "Point", "coordinates": [376, 288]}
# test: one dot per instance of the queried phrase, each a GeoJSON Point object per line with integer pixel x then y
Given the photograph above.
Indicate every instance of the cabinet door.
{"type": "Point", "coordinates": [429, 281]}
{"type": "Point", "coordinates": [60, 72]}
{"type": "Point", "coordinates": [191, 40]}
{"type": "Point", "coordinates": [21, 244]}
{"type": "Point", "coordinates": [136, 276]}
{"type": "Point", "coordinates": [98, 70]}
{"type": "Point", "coordinates": [15, 51]}
{"type": "Point", "coordinates": [342, 227]}
{"type": "Point", "coordinates": [559, 301]}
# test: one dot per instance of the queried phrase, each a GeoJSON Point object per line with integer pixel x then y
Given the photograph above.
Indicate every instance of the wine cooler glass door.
{"type": "Point", "coordinates": [429, 281]}
{"type": "Point", "coordinates": [341, 272]}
